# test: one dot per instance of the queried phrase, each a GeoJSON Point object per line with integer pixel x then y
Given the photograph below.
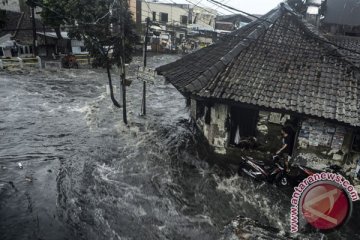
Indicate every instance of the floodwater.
{"type": "Point", "coordinates": [86, 175]}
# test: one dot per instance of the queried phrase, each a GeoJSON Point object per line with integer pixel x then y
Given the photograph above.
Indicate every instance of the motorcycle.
{"type": "Point", "coordinates": [259, 170]}
{"type": "Point", "coordinates": [274, 171]}
{"type": "Point", "coordinates": [298, 173]}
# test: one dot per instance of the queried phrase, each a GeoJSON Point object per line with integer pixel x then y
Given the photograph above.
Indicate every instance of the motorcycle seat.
{"type": "Point", "coordinates": [259, 162]}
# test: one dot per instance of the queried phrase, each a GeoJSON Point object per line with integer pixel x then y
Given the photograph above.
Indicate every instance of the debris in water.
{"type": "Point", "coordinates": [29, 179]}
{"type": "Point", "coordinates": [49, 170]}
{"type": "Point", "coordinates": [20, 165]}
{"type": "Point", "coordinates": [12, 185]}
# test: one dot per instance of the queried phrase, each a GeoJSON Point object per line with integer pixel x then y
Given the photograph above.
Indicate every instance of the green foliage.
{"type": "Point", "coordinates": [97, 22]}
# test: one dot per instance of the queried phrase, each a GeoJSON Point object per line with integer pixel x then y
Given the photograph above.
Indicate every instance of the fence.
{"type": "Point", "coordinates": [20, 62]}
{"type": "Point", "coordinates": [83, 59]}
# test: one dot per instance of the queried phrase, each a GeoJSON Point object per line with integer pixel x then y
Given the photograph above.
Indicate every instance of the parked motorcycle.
{"type": "Point", "coordinates": [259, 170]}
{"type": "Point", "coordinates": [274, 171]}
{"type": "Point", "coordinates": [298, 173]}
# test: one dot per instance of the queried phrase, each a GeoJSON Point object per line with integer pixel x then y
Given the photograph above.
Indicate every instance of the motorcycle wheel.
{"type": "Point", "coordinates": [282, 180]}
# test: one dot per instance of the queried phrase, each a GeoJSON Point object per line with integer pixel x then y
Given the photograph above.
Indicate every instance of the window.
{"type": "Point", "coordinates": [356, 143]}
{"type": "Point", "coordinates": [1, 52]}
{"type": "Point", "coordinates": [26, 50]}
{"type": "Point", "coordinates": [154, 16]}
{"type": "Point", "coordinates": [183, 20]}
{"type": "Point", "coordinates": [30, 49]}
{"type": "Point", "coordinates": [163, 17]}
{"type": "Point", "coordinates": [21, 50]}
{"type": "Point", "coordinates": [200, 109]}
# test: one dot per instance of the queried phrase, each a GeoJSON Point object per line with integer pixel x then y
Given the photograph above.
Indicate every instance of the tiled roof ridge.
{"type": "Point", "coordinates": [229, 37]}
{"type": "Point", "coordinates": [249, 25]}
{"type": "Point", "coordinates": [319, 36]}
{"type": "Point", "coordinates": [263, 24]}
{"type": "Point", "coordinates": [341, 36]}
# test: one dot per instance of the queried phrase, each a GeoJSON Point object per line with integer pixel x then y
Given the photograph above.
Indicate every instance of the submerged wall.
{"type": "Point", "coordinates": [211, 120]}
{"type": "Point", "coordinates": [317, 143]}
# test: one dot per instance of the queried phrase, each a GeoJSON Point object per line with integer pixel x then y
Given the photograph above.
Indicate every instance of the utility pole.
{"type": "Point", "coordinates": [143, 105]}
{"type": "Point", "coordinates": [34, 30]}
{"type": "Point", "coordinates": [122, 59]}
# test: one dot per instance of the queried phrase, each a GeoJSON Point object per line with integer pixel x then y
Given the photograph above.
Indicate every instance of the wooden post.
{"type": "Point", "coordinates": [46, 43]}
{"type": "Point", "coordinates": [122, 60]}
{"type": "Point", "coordinates": [34, 31]}
{"type": "Point", "coordinates": [143, 105]}
{"type": "Point", "coordinates": [39, 62]}
{"type": "Point", "coordinates": [21, 62]}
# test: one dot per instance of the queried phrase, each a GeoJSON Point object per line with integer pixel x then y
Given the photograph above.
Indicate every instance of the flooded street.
{"type": "Point", "coordinates": [86, 175]}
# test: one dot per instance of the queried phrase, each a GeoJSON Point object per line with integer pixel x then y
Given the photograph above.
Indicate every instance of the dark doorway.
{"type": "Point", "coordinates": [244, 119]}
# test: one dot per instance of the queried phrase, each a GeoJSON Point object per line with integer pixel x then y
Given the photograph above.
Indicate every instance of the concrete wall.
{"type": "Point", "coordinates": [317, 153]}
{"type": "Point", "coordinates": [205, 16]}
{"type": "Point", "coordinates": [215, 131]}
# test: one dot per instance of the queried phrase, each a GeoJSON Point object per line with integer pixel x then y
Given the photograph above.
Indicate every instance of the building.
{"type": "Point", "coordinates": [173, 24]}
{"type": "Point", "coordinates": [171, 21]}
{"type": "Point", "coordinates": [11, 5]}
{"type": "Point", "coordinates": [16, 38]}
{"type": "Point", "coordinates": [229, 23]}
{"type": "Point", "coordinates": [265, 75]}
{"type": "Point", "coordinates": [50, 44]}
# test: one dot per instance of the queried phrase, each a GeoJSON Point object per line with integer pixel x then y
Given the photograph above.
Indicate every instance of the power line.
{"type": "Point", "coordinates": [263, 19]}
{"type": "Point", "coordinates": [196, 5]}
{"type": "Point", "coordinates": [172, 2]}
{"type": "Point", "coordinates": [219, 6]}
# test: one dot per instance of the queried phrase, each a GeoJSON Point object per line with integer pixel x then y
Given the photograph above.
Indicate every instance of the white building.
{"type": "Point", "coordinates": [11, 5]}
{"type": "Point", "coordinates": [169, 14]}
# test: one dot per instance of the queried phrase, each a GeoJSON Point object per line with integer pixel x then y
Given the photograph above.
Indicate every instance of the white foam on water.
{"type": "Point", "coordinates": [254, 195]}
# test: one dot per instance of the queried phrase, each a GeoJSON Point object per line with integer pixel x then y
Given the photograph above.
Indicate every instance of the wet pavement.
{"type": "Point", "coordinates": [86, 175]}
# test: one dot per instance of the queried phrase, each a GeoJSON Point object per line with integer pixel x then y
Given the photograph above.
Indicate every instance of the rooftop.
{"type": "Point", "coordinates": [278, 62]}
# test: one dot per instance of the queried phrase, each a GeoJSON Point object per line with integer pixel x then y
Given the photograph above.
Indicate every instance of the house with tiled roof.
{"type": "Point", "coordinates": [276, 70]}
{"type": "Point", "coordinates": [229, 23]}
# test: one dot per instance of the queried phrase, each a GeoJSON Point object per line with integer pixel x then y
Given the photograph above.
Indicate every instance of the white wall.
{"type": "Point", "coordinates": [215, 132]}
{"type": "Point", "coordinates": [173, 12]}
{"type": "Point", "coordinates": [13, 5]}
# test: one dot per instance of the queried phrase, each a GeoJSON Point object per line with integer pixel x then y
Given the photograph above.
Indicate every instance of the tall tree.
{"type": "Point", "coordinates": [3, 14]}
{"type": "Point", "coordinates": [98, 23]}
{"type": "Point", "coordinates": [2, 19]}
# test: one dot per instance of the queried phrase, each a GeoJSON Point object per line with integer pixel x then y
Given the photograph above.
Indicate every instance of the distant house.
{"type": "Point", "coordinates": [274, 71]}
{"type": "Point", "coordinates": [50, 44]}
{"type": "Point", "coordinates": [177, 22]}
{"type": "Point", "coordinates": [228, 23]}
